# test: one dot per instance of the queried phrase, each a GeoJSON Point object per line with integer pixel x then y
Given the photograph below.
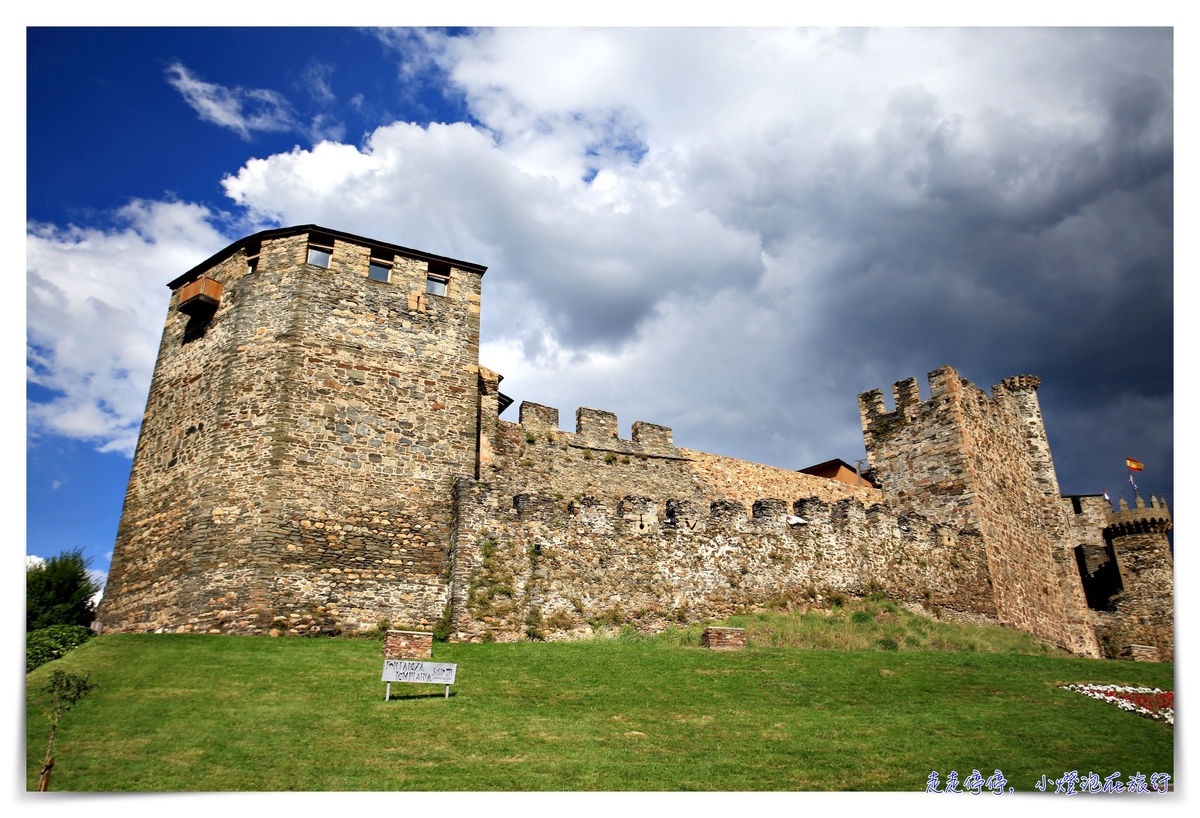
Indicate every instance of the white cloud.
{"type": "Point", "coordinates": [96, 302]}
{"type": "Point", "coordinates": [733, 231]}
{"type": "Point", "coordinates": [242, 110]}
{"type": "Point", "coordinates": [32, 561]}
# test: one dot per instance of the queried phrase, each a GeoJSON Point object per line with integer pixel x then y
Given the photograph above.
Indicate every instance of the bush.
{"type": "Point", "coordinates": [59, 592]}
{"type": "Point", "coordinates": [46, 644]}
{"type": "Point", "coordinates": [441, 629]}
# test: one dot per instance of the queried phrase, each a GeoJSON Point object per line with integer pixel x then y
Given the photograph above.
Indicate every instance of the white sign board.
{"type": "Point", "coordinates": [404, 670]}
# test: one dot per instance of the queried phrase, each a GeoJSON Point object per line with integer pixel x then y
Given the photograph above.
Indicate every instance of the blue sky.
{"type": "Point", "coordinates": [731, 232]}
{"type": "Point", "coordinates": [143, 141]}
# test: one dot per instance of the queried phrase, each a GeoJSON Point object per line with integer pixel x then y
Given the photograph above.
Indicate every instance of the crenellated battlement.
{"type": "Point", "coordinates": [595, 425]}
{"type": "Point", "coordinates": [1141, 519]}
{"type": "Point", "coordinates": [537, 418]}
{"type": "Point", "coordinates": [945, 387]}
{"type": "Point", "coordinates": [1019, 382]}
{"type": "Point", "coordinates": [597, 429]}
{"type": "Point", "coordinates": [799, 517]}
{"type": "Point", "coordinates": [948, 390]}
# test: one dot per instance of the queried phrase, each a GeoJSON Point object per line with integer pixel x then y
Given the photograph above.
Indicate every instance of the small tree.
{"type": "Point", "coordinates": [59, 592]}
{"type": "Point", "coordinates": [65, 689]}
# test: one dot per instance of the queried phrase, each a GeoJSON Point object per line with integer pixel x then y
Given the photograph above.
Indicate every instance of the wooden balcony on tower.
{"type": "Point", "coordinates": [200, 297]}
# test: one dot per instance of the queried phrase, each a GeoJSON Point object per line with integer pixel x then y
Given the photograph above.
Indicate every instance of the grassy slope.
{"type": "Point", "coordinates": [869, 624]}
{"type": "Point", "coordinates": [192, 712]}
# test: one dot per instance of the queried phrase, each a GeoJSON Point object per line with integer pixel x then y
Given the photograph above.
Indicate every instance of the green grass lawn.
{"type": "Point", "coordinates": [198, 712]}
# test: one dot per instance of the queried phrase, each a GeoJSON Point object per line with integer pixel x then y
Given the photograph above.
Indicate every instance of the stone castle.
{"type": "Point", "coordinates": [321, 451]}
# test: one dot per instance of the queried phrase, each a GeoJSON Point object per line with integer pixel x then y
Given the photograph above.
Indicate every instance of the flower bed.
{"type": "Point", "coordinates": [1145, 701]}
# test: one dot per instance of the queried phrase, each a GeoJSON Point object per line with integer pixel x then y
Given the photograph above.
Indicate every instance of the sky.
{"type": "Point", "coordinates": [728, 231]}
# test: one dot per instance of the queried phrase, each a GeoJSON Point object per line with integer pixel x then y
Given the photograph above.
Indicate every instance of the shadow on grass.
{"type": "Point", "coordinates": [407, 696]}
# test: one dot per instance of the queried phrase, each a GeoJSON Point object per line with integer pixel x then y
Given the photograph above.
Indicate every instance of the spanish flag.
{"type": "Point", "coordinates": [1133, 464]}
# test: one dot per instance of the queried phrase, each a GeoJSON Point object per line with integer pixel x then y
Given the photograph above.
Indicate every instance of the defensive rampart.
{"type": "Point", "coordinates": [535, 565]}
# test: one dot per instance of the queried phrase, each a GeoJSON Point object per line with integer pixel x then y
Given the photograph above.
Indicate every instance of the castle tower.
{"type": "Point", "coordinates": [1022, 389]}
{"type": "Point", "coordinates": [316, 394]}
{"type": "Point", "coordinates": [981, 463]}
{"type": "Point", "coordinates": [1143, 613]}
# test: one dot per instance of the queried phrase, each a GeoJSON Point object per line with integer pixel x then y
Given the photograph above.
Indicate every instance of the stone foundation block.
{"type": "Point", "coordinates": [1140, 653]}
{"type": "Point", "coordinates": [408, 645]}
{"type": "Point", "coordinates": [724, 639]}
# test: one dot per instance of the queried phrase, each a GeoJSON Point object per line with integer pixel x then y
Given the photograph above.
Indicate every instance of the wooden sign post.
{"type": "Point", "coordinates": [404, 670]}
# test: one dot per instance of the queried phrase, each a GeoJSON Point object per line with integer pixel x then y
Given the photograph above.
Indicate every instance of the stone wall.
{"type": "Point", "coordinates": [1085, 526]}
{"type": "Point", "coordinates": [983, 464]}
{"type": "Point", "coordinates": [535, 456]}
{"type": "Point", "coordinates": [199, 428]}
{"type": "Point", "coordinates": [540, 566]}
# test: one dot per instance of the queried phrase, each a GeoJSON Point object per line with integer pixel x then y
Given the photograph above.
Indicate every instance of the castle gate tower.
{"type": "Point", "coordinates": [315, 396]}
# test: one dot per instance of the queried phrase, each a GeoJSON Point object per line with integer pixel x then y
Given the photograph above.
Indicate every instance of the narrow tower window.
{"type": "Point", "coordinates": [252, 250]}
{"type": "Point", "coordinates": [439, 277]}
{"type": "Point", "coordinates": [319, 256]}
{"type": "Point", "coordinates": [379, 271]}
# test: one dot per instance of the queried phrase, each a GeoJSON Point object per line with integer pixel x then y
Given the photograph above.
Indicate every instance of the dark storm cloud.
{"type": "Point", "coordinates": [1045, 252]}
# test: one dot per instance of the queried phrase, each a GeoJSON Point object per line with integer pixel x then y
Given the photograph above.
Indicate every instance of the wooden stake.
{"type": "Point", "coordinates": [44, 780]}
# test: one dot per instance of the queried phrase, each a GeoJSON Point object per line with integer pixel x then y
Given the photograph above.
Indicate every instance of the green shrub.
{"type": "Point", "coordinates": [861, 618]}
{"type": "Point", "coordinates": [47, 644]}
{"type": "Point", "coordinates": [560, 621]}
{"type": "Point", "coordinates": [888, 643]}
{"type": "Point", "coordinates": [441, 629]}
{"type": "Point", "coordinates": [59, 592]}
{"type": "Point", "coordinates": [533, 625]}
{"type": "Point", "coordinates": [835, 599]}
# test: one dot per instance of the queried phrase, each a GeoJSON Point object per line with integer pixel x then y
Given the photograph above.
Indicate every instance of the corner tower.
{"type": "Point", "coordinates": [983, 464]}
{"type": "Point", "coordinates": [315, 396]}
{"type": "Point", "coordinates": [1142, 614]}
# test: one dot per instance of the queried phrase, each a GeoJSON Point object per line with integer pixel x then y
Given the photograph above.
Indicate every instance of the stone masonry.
{"type": "Point", "coordinates": [724, 639]}
{"type": "Point", "coordinates": [1142, 613]}
{"type": "Point", "coordinates": [321, 452]}
{"type": "Point", "coordinates": [407, 645]}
